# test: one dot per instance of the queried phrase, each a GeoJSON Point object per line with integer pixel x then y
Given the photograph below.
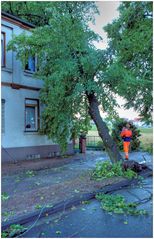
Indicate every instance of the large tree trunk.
{"type": "Point", "coordinates": [103, 131]}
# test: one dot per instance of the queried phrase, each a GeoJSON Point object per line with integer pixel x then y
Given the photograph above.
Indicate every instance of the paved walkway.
{"type": "Point", "coordinates": [47, 183]}
{"type": "Point", "coordinates": [91, 221]}
{"type": "Point", "coordinates": [88, 160]}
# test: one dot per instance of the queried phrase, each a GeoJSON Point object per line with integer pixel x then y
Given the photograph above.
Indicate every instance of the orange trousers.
{"type": "Point", "coordinates": [126, 148]}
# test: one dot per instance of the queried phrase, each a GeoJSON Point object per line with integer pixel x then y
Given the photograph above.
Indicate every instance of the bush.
{"type": "Point", "coordinates": [117, 128]}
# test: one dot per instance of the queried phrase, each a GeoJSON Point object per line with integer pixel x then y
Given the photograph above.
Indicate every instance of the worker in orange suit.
{"type": "Point", "coordinates": [126, 135]}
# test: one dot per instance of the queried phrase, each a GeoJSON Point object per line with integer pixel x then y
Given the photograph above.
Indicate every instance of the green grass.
{"type": "Point", "coordinates": [146, 130]}
{"type": "Point", "coordinates": [143, 130]}
{"type": "Point", "coordinates": [146, 139]}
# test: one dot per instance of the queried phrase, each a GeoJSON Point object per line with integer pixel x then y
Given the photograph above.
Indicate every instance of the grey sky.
{"type": "Point", "coordinates": [108, 12]}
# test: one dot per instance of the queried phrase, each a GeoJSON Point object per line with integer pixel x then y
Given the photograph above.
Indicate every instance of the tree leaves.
{"type": "Point", "coordinates": [130, 40]}
{"type": "Point", "coordinates": [117, 204]}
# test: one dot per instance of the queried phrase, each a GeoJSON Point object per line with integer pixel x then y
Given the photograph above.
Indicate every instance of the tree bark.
{"type": "Point", "coordinates": [103, 131]}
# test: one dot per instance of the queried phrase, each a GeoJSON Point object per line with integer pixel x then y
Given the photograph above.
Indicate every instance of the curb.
{"type": "Point", "coordinates": [58, 164]}
{"type": "Point", "coordinates": [73, 202]}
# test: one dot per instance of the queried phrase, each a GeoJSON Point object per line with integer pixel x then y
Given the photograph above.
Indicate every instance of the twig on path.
{"type": "Point", "coordinates": [30, 227]}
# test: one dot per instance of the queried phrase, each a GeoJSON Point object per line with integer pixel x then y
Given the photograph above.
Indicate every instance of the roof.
{"type": "Point", "coordinates": [16, 20]}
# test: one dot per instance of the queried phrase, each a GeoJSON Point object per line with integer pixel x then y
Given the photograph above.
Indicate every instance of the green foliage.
{"type": "Point", "coordinates": [13, 230]}
{"type": "Point", "coordinates": [107, 170]}
{"type": "Point", "coordinates": [38, 206]}
{"type": "Point", "coordinates": [117, 204]}
{"type": "Point", "coordinates": [30, 173]}
{"type": "Point", "coordinates": [4, 235]}
{"type": "Point", "coordinates": [130, 55]}
{"type": "Point", "coordinates": [101, 145]}
{"type": "Point", "coordinates": [7, 215]}
{"type": "Point", "coordinates": [130, 174]}
{"type": "Point", "coordinates": [4, 196]}
{"type": "Point", "coordinates": [22, 10]}
{"type": "Point", "coordinates": [39, 13]}
{"type": "Point", "coordinates": [116, 130]}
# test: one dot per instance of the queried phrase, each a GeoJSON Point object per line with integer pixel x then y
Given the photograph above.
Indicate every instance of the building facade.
{"type": "Point", "coordinates": [20, 104]}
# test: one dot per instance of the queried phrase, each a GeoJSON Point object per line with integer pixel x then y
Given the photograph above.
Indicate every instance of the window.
{"type": "Point", "coordinates": [31, 64]}
{"type": "Point", "coordinates": [2, 115]}
{"type": "Point", "coordinates": [3, 50]}
{"type": "Point", "coordinates": [31, 115]}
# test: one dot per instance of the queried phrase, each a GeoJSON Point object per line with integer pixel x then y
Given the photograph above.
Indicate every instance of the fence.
{"type": "Point", "coordinates": [92, 143]}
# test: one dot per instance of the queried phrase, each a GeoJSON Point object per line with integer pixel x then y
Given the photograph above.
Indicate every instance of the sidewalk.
{"type": "Point", "coordinates": [90, 221]}
{"type": "Point", "coordinates": [31, 185]}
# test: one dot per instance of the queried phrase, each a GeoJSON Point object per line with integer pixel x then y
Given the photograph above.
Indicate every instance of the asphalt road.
{"type": "Point", "coordinates": [89, 220]}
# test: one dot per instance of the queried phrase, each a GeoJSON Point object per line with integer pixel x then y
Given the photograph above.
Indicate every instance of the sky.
{"type": "Point", "coordinates": [108, 12]}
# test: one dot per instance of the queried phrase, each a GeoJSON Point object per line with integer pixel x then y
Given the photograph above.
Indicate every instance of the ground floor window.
{"type": "Point", "coordinates": [31, 115]}
{"type": "Point", "coordinates": [2, 115]}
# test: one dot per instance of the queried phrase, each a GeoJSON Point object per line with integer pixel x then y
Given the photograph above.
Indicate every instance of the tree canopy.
{"type": "Point", "coordinates": [130, 63]}
{"type": "Point", "coordinates": [40, 12]}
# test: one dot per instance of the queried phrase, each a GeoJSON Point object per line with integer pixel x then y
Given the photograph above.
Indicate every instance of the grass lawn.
{"type": "Point", "coordinates": [146, 138]}
{"type": "Point", "coordinates": [146, 130]}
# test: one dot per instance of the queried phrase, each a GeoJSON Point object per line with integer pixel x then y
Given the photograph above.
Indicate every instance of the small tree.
{"type": "Point", "coordinates": [117, 128]}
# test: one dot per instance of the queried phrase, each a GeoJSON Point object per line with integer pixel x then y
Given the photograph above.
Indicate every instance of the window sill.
{"type": "Point", "coordinates": [31, 132]}
{"type": "Point", "coordinates": [3, 68]}
{"type": "Point", "coordinates": [29, 73]}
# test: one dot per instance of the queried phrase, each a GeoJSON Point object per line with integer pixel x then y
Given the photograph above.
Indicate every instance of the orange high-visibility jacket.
{"type": "Point", "coordinates": [126, 134]}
